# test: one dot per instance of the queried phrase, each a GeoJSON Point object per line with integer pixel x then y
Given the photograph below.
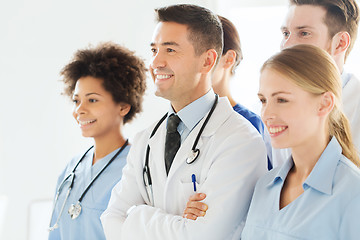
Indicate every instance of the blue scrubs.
{"type": "Point", "coordinates": [251, 117]}
{"type": "Point", "coordinates": [328, 209]}
{"type": "Point", "coordinates": [87, 225]}
{"type": "Point", "coordinates": [256, 121]}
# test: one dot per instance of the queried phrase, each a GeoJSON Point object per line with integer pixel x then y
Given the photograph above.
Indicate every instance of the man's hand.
{"type": "Point", "coordinates": [195, 208]}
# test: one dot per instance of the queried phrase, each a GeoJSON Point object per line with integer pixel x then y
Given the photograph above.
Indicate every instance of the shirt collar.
{"type": "Point", "coordinates": [345, 77]}
{"type": "Point", "coordinates": [322, 175]}
{"type": "Point", "coordinates": [282, 172]}
{"type": "Point", "coordinates": [196, 110]}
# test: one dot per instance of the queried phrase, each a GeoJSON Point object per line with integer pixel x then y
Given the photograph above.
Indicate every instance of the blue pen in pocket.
{"type": "Point", "coordinates": [193, 179]}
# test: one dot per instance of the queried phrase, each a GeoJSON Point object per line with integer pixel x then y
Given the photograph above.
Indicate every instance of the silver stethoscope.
{"type": "Point", "coordinates": [75, 209]}
{"type": "Point", "coordinates": [191, 158]}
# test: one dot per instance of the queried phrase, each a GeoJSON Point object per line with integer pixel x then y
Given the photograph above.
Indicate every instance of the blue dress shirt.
{"type": "Point", "coordinates": [87, 225]}
{"type": "Point", "coordinates": [328, 209]}
{"type": "Point", "coordinates": [192, 114]}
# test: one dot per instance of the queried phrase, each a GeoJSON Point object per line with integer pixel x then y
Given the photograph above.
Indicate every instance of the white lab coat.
{"type": "Point", "coordinates": [232, 158]}
{"type": "Point", "coordinates": [351, 108]}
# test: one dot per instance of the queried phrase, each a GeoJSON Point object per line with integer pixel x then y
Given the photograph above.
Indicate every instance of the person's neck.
{"type": "Point", "coordinates": [105, 145]}
{"type": "Point", "coordinates": [340, 61]}
{"type": "Point", "coordinates": [182, 101]}
{"type": "Point", "coordinates": [222, 88]}
{"type": "Point", "coordinates": [306, 156]}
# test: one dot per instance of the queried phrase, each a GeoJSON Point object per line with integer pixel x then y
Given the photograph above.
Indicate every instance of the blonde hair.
{"type": "Point", "coordinates": [313, 70]}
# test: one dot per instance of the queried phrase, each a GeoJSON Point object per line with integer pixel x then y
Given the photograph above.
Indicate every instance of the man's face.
{"type": "Point", "coordinates": [305, 24]}
{"type": "Point", "coordinates": [174, 66]}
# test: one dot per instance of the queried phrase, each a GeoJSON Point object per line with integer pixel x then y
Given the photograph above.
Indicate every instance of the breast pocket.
{"type": "Point", "coordinates": [188, 188]}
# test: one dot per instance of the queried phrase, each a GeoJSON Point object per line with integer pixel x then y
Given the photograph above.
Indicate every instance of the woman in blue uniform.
{"type": "Point", "coordinates": [316, 193]}
{"type": "Point", "coordinates": [106, 85]}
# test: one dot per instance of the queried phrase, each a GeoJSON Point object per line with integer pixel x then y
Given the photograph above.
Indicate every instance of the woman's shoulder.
{"type": "Point", "coordinates": [348, 171]}
{"type": "Point", "coordinates": [75, 160]}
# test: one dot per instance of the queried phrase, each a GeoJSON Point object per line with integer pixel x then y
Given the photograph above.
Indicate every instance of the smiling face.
{"type": "Point", "coordinates": [94, 109]}
{"type": "Point", "coordinates": [289, 113]}
{"type": "Point", "coordinates": [304, 24]}
{"type": "Point", "coordinates": [174, 67]}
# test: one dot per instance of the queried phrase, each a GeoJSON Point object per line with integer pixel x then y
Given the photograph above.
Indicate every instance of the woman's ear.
{"type": "Point", "coordinates": [124, 109]}
{"type": "Point", "coordinates": [327, 103]}
{"type": "Point", "coordinates": [229, 58]}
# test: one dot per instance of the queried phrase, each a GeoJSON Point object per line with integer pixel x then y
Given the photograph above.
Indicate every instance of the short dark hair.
{"type": "Point", "coordinates": [123, 73]}
{"type": "Point", "coordinates": [341, 15]}
{"type": "Point", "coordinates": [204, 26]}
{"type": "Point", "coordinates": [231, 40]}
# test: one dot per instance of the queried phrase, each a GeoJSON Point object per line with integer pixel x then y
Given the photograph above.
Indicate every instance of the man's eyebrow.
{"type": "Point", "coordinates": [282, 28]}
{"type": "Point", "coordinates": [165, 44]}
{"type": "Point", "coordinates": [304, 26]}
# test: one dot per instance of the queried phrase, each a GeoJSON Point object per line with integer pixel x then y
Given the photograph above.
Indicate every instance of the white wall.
{"type": "Point", "coordinates": [37, 133]}
{"type": "Point", "coordinates": [260, 38]}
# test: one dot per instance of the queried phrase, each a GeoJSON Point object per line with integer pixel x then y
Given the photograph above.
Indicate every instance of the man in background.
{"type": "Point", "coordinates": [331, 25]}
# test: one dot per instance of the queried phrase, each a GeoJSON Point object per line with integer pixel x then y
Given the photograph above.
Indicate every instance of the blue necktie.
{"type": "Point", "coordinates": [172, 142]}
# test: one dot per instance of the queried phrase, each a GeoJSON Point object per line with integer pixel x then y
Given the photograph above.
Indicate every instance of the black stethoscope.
{"type": "Point", "coordinates": [75, 210]}
{"type": "Point", "coordinates": [193, 155]}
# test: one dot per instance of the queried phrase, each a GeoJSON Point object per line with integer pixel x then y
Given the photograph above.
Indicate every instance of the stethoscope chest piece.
{"type": "Point", "coordinates": [193, 155]}
{"type": "Point", "coordinates": [74, 210]}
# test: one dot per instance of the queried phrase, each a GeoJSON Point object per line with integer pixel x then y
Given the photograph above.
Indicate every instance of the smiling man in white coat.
{"type": "Point", "coordinates": [333, 26]}
{"type": "Point", "coordinates": [229, 154]}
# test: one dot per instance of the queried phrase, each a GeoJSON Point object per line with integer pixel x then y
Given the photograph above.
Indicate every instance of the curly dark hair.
{"type": "Point", "coordinates": [123, 73]}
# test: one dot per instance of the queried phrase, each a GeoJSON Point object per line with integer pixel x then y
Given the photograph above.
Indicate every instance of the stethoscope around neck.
{"type": "Point", "coordinates": [75, 209]}
{"type": "Point", "coordinates": [191, 158]}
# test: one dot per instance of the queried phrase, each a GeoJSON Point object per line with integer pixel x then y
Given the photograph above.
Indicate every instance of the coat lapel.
{"type": "Point", "coordinates": [219, 116]}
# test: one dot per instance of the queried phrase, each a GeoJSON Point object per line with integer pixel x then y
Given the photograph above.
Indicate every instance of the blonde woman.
{"type": "Point", "coordinates": [316, 193]}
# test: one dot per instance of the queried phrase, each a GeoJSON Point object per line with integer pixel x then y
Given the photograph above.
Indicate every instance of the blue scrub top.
{"type": "Point", "coordinates": [87, 225]}
{"type": "Point", "coordinates": [328, 209]}
{"type": "Point", "coordinates": [252, 117]}
{"type": "Point", "coordinates": [256, 121]}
